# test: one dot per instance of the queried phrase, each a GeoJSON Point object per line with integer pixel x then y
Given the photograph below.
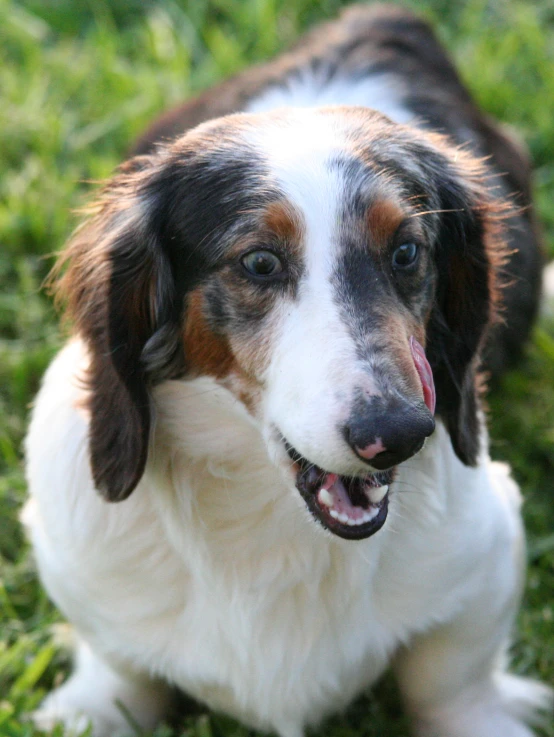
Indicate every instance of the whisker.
{"type": "Point", "coordinates": [432, 212]}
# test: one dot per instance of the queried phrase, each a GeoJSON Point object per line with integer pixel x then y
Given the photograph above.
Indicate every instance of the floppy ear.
{"type": "Point", "coordinates": [120, 292]}
{"type": "Point", "coordinates": [468, 256]}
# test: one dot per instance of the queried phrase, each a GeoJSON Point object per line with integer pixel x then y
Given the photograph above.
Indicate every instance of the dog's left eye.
{"type": "Point", "coordinates": [262, 264]}
{"type": "Point", "coordinates": [405, 255]}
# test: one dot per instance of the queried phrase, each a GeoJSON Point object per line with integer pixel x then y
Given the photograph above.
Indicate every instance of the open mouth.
{"type": "Point", "coordinates": [351, 507]}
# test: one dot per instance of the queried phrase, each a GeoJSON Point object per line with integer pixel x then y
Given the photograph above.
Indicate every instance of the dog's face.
{"type": "Point", "coordinates": [309, 260]}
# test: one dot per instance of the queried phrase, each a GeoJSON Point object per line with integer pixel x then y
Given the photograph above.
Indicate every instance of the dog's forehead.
{"type": "Point", "coordinates": [330, 167]}
{"type": "Point", "coordinates": [295, 146]}
{"type": "Point", "coordinates": [311, 156]}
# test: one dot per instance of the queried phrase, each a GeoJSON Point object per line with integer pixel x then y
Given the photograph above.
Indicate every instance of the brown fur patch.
{"type": "Point", "coordinates": [397, 330]}
{"type": "Point", "coordinates": [383, 219]}
{"type": "Point", "coordinates": [206, 353]}
{"type": "Point", "coordinates": [209, 354]}
{"type": "Point", "coordinates": [283, 221]}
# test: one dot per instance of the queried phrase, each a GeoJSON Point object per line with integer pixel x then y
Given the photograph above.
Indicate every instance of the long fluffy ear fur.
{"type": "Point", "coordinates": [469, 255]}
{"type": "Point", "coordinates": [119, 291]}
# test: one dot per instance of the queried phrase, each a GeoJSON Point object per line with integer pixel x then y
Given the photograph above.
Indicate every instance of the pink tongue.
{"type": "Point", "coordinates": [342, 502]}
{"type": "Point", "coordinates": [425, 374]}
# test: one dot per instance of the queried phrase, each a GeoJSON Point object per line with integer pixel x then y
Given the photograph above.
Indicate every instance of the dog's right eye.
{"type": "Point", "coordinates": [405, 256]}
{"type": "Point", "coordinates": [263, 264]}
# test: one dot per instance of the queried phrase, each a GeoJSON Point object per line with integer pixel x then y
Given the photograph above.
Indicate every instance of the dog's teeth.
{"type": "Point", "coordinates": [324, 497]}
{"type": "Point", "coordinates": [377, 494]}
{"type": "Point", "coordinates": [354, 521]}
{"type": "Point", "coordinates": [368, 516]}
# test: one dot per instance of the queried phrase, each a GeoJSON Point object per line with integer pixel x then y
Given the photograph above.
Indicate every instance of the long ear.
{"type": "Point", "coordinates": [120, 293]}
{"type": "Point", "coordinates": [468, 257]}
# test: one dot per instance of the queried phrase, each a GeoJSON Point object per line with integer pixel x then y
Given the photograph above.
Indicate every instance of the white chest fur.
{"type": "Point", "coordinates": [214, 575]}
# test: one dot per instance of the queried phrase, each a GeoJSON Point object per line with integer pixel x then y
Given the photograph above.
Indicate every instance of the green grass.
{"type": "Point", "coordinates": [78, 81]}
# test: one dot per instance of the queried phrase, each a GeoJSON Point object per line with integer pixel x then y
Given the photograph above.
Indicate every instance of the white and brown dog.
{"type": "Point", "coordinates": [268, 313]}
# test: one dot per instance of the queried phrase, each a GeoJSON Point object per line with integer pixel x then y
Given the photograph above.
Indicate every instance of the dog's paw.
{"type": "Point", "coordinates": [503, 711]}
{"type": "Point", "coordinates": [82, 718]}
{"type": "Point", "coordinates": [76, 723]}
{"type": "Point", "coordinates": [46, 719]}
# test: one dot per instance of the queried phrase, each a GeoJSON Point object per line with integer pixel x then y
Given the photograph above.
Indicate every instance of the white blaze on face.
{"type": "Point", "coordinates": [314, 370]}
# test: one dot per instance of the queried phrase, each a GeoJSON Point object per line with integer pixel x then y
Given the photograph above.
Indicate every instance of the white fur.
{"type": "Point", "coordinates": [305, 89]}
{"type": "Point", "coordinates": [314, 368]}
{"type": "Point", "coordinates": [213, 576]}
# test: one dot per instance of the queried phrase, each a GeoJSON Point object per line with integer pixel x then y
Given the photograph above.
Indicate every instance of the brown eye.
{"type": "Point", "coordinates": [405, 255]}
{"type": "Point", "coordinates": [262, 264]}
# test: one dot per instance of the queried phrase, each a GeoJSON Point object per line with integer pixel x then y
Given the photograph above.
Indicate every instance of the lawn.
{"type": "Point", "coordinates": [78, 81]}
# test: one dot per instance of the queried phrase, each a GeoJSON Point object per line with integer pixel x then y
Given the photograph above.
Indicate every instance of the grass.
{"type": "Point", "coordinates": [78, 81]}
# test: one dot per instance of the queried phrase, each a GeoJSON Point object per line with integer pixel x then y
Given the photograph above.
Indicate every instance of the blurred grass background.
{"type": "Point", "coordinates": [78, 81]}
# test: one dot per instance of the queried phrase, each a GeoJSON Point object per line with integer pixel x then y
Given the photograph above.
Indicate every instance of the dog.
{"type": "Point", "coordinates": [280, 305]}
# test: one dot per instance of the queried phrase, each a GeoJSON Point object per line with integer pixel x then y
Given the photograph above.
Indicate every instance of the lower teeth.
{"type": "Point", "coordinates": [366, 517]}
{"type": "Point", "coordinates": [375, 496]}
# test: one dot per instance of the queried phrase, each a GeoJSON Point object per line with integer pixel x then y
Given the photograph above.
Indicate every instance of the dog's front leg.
{"type": "Point", "coordinates": [454, 679]}
{"type": "Point", "coordinates": [452, 692]}
{"type": "Point", "coordinates": [114, 704]}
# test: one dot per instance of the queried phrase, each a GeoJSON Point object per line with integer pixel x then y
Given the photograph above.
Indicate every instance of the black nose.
{"type": "Point", "coordinates": [387, 431]}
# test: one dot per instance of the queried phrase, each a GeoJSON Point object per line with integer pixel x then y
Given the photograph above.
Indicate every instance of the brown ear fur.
{"type": "Point", "coordinates": [469, 255]}
{"type": "Point", "coordinates": [116, 286]}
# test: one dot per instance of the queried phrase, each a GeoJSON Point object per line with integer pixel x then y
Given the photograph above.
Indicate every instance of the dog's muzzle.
{"type": "Point", "coordinates": [387, 430]}
{"type": "Point", "coordinates": [382, 432]}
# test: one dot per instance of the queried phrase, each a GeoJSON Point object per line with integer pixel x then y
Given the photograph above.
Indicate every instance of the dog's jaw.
{"type": "Point", "coordinates": [353, 508]}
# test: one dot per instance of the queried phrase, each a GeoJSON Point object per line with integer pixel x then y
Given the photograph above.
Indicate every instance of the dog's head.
{"type": "Point", "coordinates": [334, 270]}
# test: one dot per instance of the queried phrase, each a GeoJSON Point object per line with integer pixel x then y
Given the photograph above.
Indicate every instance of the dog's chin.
{"type": "Point", "coordinates": [351, 507]}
